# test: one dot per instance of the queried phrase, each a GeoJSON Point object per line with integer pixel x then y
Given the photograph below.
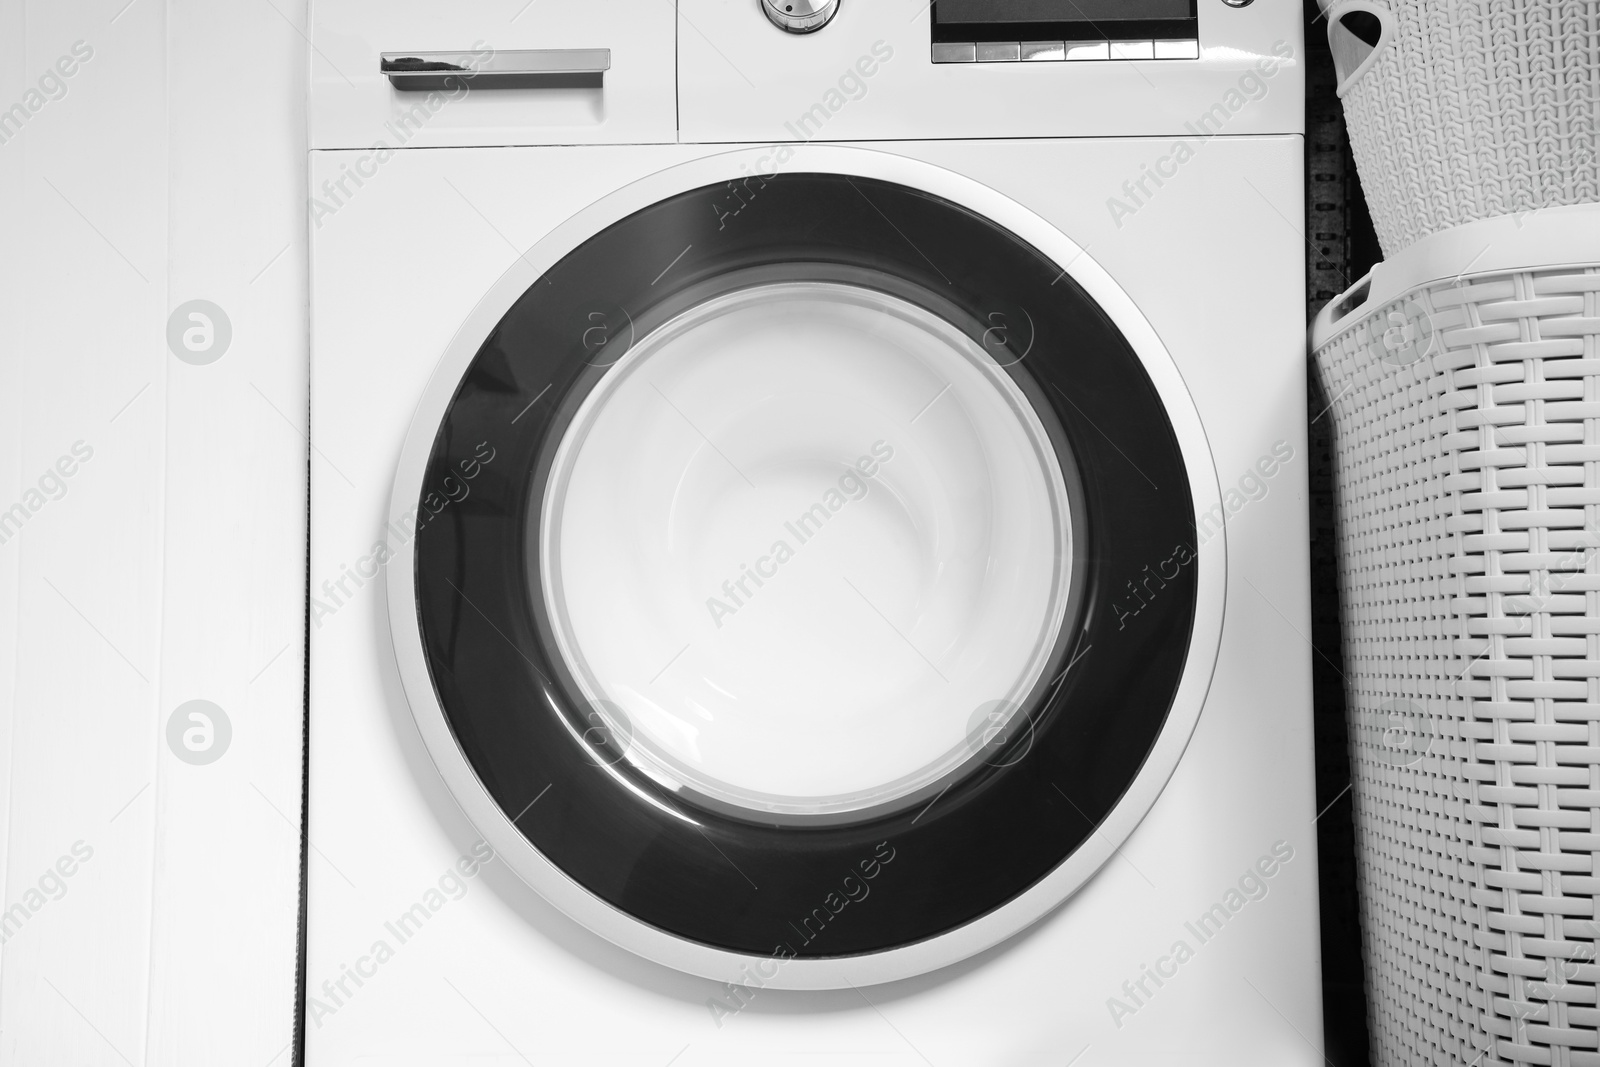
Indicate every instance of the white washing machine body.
{"type": "Point", "coordinates": [1125, 870]}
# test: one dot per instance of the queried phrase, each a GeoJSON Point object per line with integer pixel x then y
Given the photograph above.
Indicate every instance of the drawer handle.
{"type": "Point", "coordinates": [531, 68]}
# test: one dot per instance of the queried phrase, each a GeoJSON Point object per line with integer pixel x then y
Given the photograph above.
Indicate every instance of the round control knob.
{"type": "Point", "coordinates": [800, 16]}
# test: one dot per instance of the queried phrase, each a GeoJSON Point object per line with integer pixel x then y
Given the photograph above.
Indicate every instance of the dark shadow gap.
{"type": "Point", "coordinates": [1341, 247]}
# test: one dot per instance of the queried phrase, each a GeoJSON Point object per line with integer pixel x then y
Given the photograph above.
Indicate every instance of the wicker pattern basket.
{"type": "Point", "coordinates": [1467, 109]}
{"type": "Point", "coordinates": [1468, 442]}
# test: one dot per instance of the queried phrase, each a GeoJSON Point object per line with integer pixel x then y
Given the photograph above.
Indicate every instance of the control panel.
{"type": "Point", "coordinates": [388, 74]}
{"type": "Point", "coordinates": [880, 70]}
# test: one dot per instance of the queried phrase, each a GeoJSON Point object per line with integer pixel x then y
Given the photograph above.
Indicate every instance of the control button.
{"type": "Point", "coordinates": [1038, 51]}
{"type": "Point", "coordinates": [800, 16]}
{"type": "Point", "coordinates": [998, 52]}
{"type": "Point", "coordinates": [1133, 49]}
{"type": "Point", "coordinates": [1177, 49]}
{"type": "Point", "coordinates": [1098, 50]}
{"type": "Point", "coordinates": [954, 52]}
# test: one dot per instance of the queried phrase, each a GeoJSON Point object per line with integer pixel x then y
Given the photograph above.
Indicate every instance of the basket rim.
{"type": "Point", "coordinates": [1566, 235]}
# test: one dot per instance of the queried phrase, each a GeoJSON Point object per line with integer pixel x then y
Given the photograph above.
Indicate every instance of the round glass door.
{"type": "Point", "coordinates": [796, 546]}
{"type": "Point", "coordinates": [806, 547]}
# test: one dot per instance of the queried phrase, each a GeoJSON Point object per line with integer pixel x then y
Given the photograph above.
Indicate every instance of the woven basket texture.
{"type": "Point", "coordinates": [1478, 108]}
{"type": "Point", "coordinates": [1467, 426]}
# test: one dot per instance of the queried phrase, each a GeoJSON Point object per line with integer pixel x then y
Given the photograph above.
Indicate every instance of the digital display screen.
{"type": "Point", "coordinates": [1072, 20]}
{"type": "Point", "coordinates": [1060, 10]}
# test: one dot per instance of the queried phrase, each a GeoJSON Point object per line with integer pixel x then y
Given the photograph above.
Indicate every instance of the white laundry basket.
{"type": "Point", "coordinates": [1464, 384]}
{"type": "Point", "coordinates": [1467, 109]}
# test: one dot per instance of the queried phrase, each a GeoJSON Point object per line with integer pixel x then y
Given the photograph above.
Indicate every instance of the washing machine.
{"type": "Point", "coordinates": [808, 535]}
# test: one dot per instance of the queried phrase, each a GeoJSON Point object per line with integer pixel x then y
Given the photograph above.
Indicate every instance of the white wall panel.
{"type": "Point", "coordinates": [169, 565]}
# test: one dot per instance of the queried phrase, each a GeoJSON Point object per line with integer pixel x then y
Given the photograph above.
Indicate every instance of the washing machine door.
{"type": "Point", "coordinates": [805, 588]}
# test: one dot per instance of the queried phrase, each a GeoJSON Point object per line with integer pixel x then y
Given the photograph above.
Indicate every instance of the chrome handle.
{"type": "Point", "coordinates": [529, 68]}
